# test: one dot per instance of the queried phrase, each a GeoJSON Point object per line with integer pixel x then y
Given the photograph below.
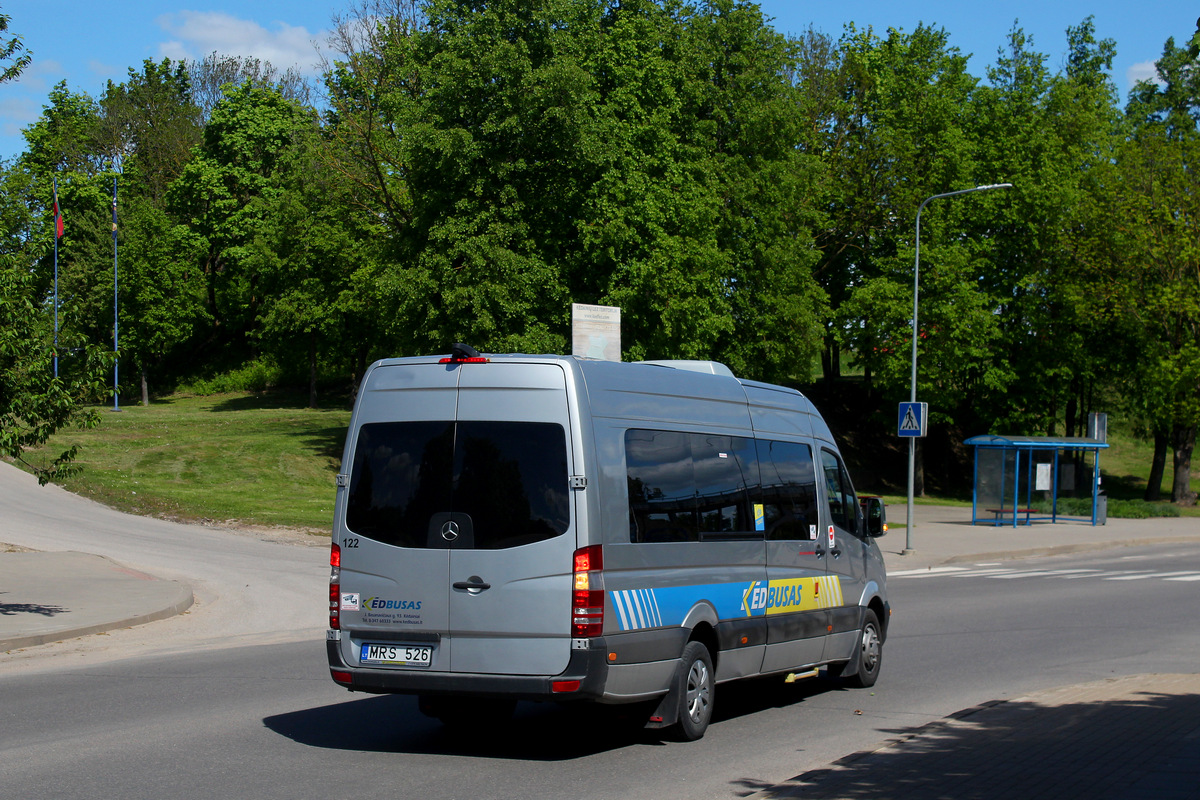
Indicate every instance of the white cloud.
{"type": "Point", "coordinates": [17, 113]}
{"type": "Point", "coordinates": [106, 71]}
{"type": "Point", "coordinates": [1143, 71]}
{"type": "Point", "coordinates": [198, 33]}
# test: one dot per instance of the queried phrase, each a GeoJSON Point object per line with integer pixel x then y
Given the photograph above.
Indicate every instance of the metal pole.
{"type": "Point", "coordinates": [56, 298]}
{"type": "Point", "coordinates": [116, 340]}
{"type": "Point", "coordinates": [912, 442]}
{"type": "Point", "coordinates": [54, 225]}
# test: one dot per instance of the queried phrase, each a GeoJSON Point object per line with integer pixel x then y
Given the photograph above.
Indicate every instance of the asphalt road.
{"type": "Point", "coordinates": [161, 713]}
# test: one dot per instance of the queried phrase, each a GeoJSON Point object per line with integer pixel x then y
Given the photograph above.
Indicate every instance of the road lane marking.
{"type": "Point", "coordinates": [1154, 575]}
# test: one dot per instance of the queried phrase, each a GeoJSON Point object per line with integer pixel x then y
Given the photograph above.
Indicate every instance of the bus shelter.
{"type": "Point", "coordinates": [1020, 479]}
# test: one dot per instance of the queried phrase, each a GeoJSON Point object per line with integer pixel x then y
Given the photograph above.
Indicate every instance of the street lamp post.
{"type": "Point", "coordinates": [912, 441]}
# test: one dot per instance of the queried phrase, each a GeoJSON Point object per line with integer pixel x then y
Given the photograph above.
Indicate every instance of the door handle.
{"type": "Point", "coordinates": [473, 584]}
{"type": "Point", "coordinates": [819, 553]}
{"type": "Point", "coordinates": [835, 553]}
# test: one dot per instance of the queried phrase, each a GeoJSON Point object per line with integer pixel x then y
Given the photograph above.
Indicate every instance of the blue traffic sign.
{"type": "Point", "coordinates": [912, 419]}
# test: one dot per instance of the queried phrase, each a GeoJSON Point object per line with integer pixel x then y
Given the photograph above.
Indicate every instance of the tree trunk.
{"type": "Point", "coordinates": [919, 469]}
{"type": "Point", "coordinates": [831, 359]}
{"type": "Point", "coordinates": [1158, 466]}
{"type": "Point", "coordinates": [312, 370]}
{"type": "Point", "coordinates": [1183, 439]}
{"type": "Point", "coordinates": [360, 369]}
{"type": "Point", "coordinates": [145, 388]}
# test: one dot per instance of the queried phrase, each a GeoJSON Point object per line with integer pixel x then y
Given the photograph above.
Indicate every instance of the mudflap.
{"type": "Point", "coordinates": [666, 713]}
{"type": "Point", "coordinates": [851, 667]}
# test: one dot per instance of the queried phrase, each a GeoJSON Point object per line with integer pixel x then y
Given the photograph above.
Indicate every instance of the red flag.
{"type": "Point", "coordinates": [58, 222]}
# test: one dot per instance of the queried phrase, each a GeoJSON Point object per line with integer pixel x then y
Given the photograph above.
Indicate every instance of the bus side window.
{"type": "Point", "coordinates": [843, 508]}
{"type": "Point", "coordinates": [662, 501]}
{"type": "Point", "coordinates": [788, 492]}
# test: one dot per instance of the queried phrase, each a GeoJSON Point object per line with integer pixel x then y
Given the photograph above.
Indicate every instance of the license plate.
{"type": "Point", "coordinates": [406, 655]}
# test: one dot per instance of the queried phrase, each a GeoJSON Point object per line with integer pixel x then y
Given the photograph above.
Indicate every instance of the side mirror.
{"type": "Point", "coordinates": [875, 514]}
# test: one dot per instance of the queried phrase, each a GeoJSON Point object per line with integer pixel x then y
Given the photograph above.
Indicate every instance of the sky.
{"type": "Point", "coordinates": [88, 43]}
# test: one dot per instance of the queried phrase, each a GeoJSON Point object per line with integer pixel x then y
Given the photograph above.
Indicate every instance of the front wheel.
{"type": "Point", "coordinates": [870, 653]}
{"type": "Point", "coordinates": [695, 687]}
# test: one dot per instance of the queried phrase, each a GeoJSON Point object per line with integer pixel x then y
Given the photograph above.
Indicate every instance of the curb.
{"type": "Point", "coordinates": [181, 604]}
{"type": "Point", "coordinates": [89, 580]}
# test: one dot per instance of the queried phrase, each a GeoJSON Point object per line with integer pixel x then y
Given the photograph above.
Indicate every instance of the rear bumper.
{"type": "Point", "coordinates": [589, 667]}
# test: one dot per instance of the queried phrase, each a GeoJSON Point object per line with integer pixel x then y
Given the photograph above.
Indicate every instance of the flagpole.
{"type": "Point", "coordinates": [57, 233]}
{"type": "Point", "coordinates": [116, 358]}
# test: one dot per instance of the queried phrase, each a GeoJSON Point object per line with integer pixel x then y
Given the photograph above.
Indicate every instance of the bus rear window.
{"type": "Point", "coordinates": [505, 483]}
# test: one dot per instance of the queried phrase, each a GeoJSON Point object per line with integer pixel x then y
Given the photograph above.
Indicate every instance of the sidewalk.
{"type": "Point", "coordinates": [945, 535]}
{"type": "Point", "coordinates": [48, 597]}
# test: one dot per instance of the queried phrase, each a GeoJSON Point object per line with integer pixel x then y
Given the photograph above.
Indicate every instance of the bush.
{"type": "Point", "coordinates": [1140, 509]}
{"type": "Point", "coordinates": [1117, 509]}
{"type": "Point", "coordinates": [253, 376]}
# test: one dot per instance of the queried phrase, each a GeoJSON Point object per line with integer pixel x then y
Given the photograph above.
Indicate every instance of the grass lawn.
{"type": "Point", "coordinates": [257, 459]}
{"type": "Point", "coordinates": [266, 459]}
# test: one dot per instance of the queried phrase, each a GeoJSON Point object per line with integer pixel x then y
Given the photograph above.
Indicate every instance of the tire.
{"type": "Point", "coordinates": [869, 655]}
{"type": "Point", "coordinates": [695, 688]}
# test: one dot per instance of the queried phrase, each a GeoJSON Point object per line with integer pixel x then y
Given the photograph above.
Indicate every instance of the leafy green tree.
{"type": "Point", "coordinates": [162, 291]}
{"type": "Point", "coordinates": [1046, 134]}
{"type": "Point", "coordinates": [221, 196]}
{"type": "Point", "coordinates": [891, 130]}
{"type": "Point", "coordinates": [313, 242]}
{"type": "Point", "coordinates": [527, 155]}
{"type": "Point", "coordinates": [64, 139]}
{"type": "Point", "coordinates": [1156, 213]}
{"type": "Point", "coordinates": [148, 126]}
{"type": "Point", "coordinates": [12, 49]}
{"type": "Point", "coordinates": [34, 403]}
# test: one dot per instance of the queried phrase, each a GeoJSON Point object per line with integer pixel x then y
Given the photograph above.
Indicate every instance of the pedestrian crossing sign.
{"type": "Point", "coordinates": [912, 419]}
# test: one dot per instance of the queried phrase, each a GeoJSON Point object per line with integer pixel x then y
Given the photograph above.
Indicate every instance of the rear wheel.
{"type": "Point", "coordinates": [870, 653]}
{"type": "Point", "coordinates": [695, 687]}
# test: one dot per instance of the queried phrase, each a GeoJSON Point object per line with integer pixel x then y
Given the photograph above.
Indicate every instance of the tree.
{"type": "Point", "coordinates": [1046, 134]}
{"type": "Point", "coordinates": [313, 242]}
{"type": "Point", "coordinates": [222, 195]}
{"type": "Point", "coordinates": [890, 129]}
{"type": "Point", "coordinates": [149, 125]}
{"type": "Point", "coordinates": [162, 290]}
{"type": "Point", "coordinates": [1142, 261]}
{"type": "Point", "coordinates": [34, 403]}
{"type": "Point", "coordinates": [527, 155]}
{"type": "Point", "coordinates": [211, 76]}
{"type": "Point", "coordinates": [12, 50]}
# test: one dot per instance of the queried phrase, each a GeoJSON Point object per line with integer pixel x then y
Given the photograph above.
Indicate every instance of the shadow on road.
{"type": "Point", "coordinates": [537, 731]}
{"type": "Point", "coordinates": [1148, 746]}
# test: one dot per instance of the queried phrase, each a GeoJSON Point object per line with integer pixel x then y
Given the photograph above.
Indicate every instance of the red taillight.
{"type": "Point", "coordinates": [587, 597]}
{"type": "Point", "coordinates": [564, 686]}
{"type": "Point", "coordinates": [451, 360]}
{"type": "Point", "coordinates": [341, 676]}
{"type": "Point", "coordinates": [335, 587]}
{"type": "Point", "coordinates": [589, 558]}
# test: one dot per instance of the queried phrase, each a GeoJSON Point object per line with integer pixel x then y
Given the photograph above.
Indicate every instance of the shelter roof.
{"type": "Point", "coordinates": [1037, 442]}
